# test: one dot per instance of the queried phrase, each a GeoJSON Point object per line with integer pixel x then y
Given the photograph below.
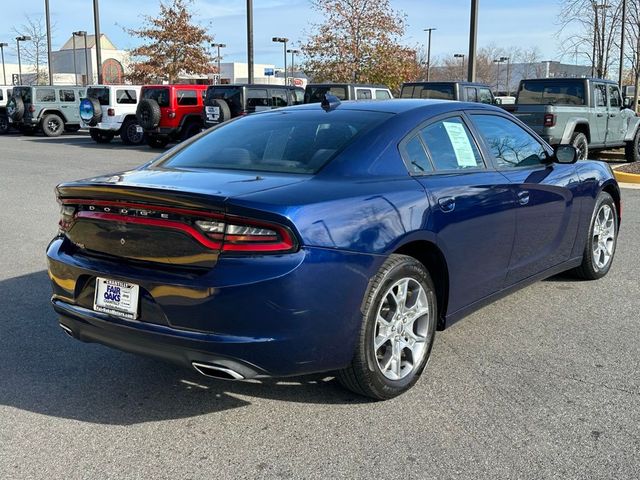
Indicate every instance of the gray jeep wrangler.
{"type": "Point", "coordinates": [588, 113]}
{"type": "Point", "coordinates": [52, 109]}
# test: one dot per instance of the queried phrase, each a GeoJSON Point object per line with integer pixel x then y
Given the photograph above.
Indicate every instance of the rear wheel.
{"type": "Point", "coordinates": [52, 125]}
{"type": "Point", "coordinates": [581, 144]}
{"type": "Point", "coordinates": [131, 133]}
{"type": "Point", "coordinates": [100, 137]}
{"type": "Point", "coordinates": [632, 148]}
{"type": "Point", "coordinates": [4, 124]}
{"type": "Point", "coordinates": [190, 130]}
{"type": "Point", "coordinates": [601, 242]}
{"type": "Point", "coordinates": [157, 142]}
{"type": "Point", "coordinates": [397, 331]}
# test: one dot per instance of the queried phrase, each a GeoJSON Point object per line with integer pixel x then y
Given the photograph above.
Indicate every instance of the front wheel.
{"type": "Point", "coordinates": [397, 332]}
{"type": "Point", "coordinates": [602, 240]}
{"type": "Point", "coordinates": [632, 148]}
{"type": "Point", "coordinates": [581, 144]}
{"type": "Point", "coordinates": [132, 133]}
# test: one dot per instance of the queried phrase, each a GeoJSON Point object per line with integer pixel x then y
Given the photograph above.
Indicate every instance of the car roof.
{"type": "Point", "coordinates": [401, 105]}
{"type": "Point", "coordinates": [257, 85]}
{"type": "Point", "coordinates": [563, 79]}
{"type": "Point", "coordinates": [474, 84]}
{"type": "Point", "coordinates": [177, 85]}
{"type": "Point", "coordinates": [330, 84]}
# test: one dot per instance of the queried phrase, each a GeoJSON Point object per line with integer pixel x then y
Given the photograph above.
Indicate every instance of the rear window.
{"type": "Point", "coordinates": [231, 95]}
{"type": "Point", "coordinates": [67, 96]}
{"type": "Point", "coordinates": [45, 95]}
{"type": "Point", "coordinates": [279, 141]}
{"type": "Point", "coordinates": [126, 97]}
{"type": "Point", "coordinates": [160, 95]}
{"type": "Point", "coordinates": [363, 94]}
{"type": "Point", "coordinates": [436, 92]}
{"type": "Point", "coordinates": [316, 94]}
{"type": "Point", "coordinates": [99, 93]}
{"type": "Point", "coordinates": [187, 97]}
{"type": "Point", "coordinates": [552, 92]}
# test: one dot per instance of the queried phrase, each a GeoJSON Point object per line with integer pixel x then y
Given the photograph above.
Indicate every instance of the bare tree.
{"type": "Point", "coordinates": [632, 53]}
{"type": "Point", "coordinates": [34, 52]}
{"type": "Point", "coordinates": [597, 24]}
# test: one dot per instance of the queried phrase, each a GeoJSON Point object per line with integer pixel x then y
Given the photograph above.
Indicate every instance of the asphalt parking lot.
{"type": "Point", "coordinates": [542, 384]}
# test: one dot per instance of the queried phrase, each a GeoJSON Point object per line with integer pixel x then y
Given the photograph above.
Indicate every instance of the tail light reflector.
{"type": "Point", "coordinates": [172, 114]}
{"type": "Point", "coordinates": [32, 109]}
{"type": "Point", "coordinates": [549, 120]}
{"type": "Point", "coordinates": [111, 112]}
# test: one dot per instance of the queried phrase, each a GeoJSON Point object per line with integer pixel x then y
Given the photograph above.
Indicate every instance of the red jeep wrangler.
{"type": "Point", "coordinates": [170, 112]}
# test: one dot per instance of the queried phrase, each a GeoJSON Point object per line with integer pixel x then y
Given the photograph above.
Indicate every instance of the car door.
{"type": "Point", "coordinates": [69, 105]}
{"type": "Point", "coordinates": [472, 209]}
{"type": "Point", "coordinates": [616, 123]}
{"type": "Point", "coordinates": [599, 119]}
{"type": "Point", "coordinates": [546, 221]}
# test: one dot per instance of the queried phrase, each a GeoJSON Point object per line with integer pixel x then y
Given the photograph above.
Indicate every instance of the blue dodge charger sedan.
{"type": "Point", "coordinates": [326, 237]}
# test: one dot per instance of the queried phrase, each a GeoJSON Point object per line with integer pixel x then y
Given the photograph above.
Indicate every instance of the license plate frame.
{"type": "Point", "coordinates": [117, 298]}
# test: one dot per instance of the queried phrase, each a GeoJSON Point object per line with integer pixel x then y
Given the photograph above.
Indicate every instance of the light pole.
{"type": "Point", "coordinates": [284, 41]}
{"type": "Point", "coordinates": [508, 60]}
{"type": "Point", "coordinates": [4, 73]}
{"type": "Point", "coordinates": [250, 40]}
{"type": "Point", "coordinates": [96, 24]}
{"type": "Point", "coordinates": [460, 55]}
{"type": "Point", "coordinates": [75, 64]}
{"type": "Point", "coordinates": [83, 34]}
{"type": "Point", "coordinates": [219, 46]}
{"type": "Point", "coordinates": [429, 30]}
{"type": "Point", "coordinates": [293, 52]}
{"type": "Point", "coordinates": [22, 38]}
{"type": "Point", "coordinates": [498, 61]}
{"type": "Point", "coordinates": [49, 61]}
{"type": "Point", "coordinates": [473, 41]}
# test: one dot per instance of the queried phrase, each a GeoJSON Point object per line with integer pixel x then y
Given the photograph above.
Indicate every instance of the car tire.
{"type": "Point", "coordinates": [632, 148]}
{"type": "Point", "coordinates": [52, 125]}
{"type": "Point", "coordinates": [581, 144]}
{"type": "Point", "coordinates": [4, 124]}
{"type": "Point", "coordinates": [148, 113]}
{"type": "Point", "coordinates": [603, 229]}
{"type": "Point", "coordinates": [383, 365]}
{"type": "Point", "coordinates": [157, 142]}
{"type": "Point", "coordinates": [100, 137]}
{"type": "Point", "coordinates": [191, 130]}
{"type": "Point", "coordinates": [129, 133]}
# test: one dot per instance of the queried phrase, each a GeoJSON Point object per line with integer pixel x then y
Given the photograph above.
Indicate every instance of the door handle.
{"type": "Point", "coordinates": [447, 204]}
{"type": "Point", "coordinates": [600, 115]}
{"type": "Point", "coordinates": [523, 197]}
{"type": "Point", "coordinates": [612, 115]}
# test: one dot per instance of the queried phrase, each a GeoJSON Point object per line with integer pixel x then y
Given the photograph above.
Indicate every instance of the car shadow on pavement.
{"type": "Point", "coordinates": [86, 142]}
{"type": "Point", "coordinates": [44, 371]}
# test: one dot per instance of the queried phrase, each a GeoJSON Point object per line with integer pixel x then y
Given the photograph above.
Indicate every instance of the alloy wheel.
{"type": "Point", "coordinates": [402, 329]}
{"type": "Point", "coordinates": [604, 235]}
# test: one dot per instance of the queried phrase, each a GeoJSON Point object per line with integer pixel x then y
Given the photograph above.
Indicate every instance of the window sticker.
{"type": "Point", "coordinates": [461, 144]}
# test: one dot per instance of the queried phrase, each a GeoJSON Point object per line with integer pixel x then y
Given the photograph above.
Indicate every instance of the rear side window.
{"type": "Point", "coordinates": [257, 100]}
{"type": "Point", "coordinates": [298, 96]}
{"type": "Point", "coordinates": [551, 92]}
{"type": "Point", "coordinates": [484, 96]}
{"type": "Point", "coordinates": [407, 91]}
{"type": "Point", "coordinates": [471, 94]}
{"type": "Point", "coordinates": [279, 141]}
{"type": "Point", "coordinates": [614, 97]}
{"type": "Point", "coordinates": [99, 93]}
{"type": "Point", "coordinates": [187, 98]}
{"type": "Point", "coordinates": [382, 95]}
{"type": "Point", "coordinates": [451, 146]}
{"type": "Point", "coordinates": [415, 156]}
{"type": "Point", "coordinates": [316, 94]}
{"type": "Point", "coordinates": [126, 97]}
{"type": "Point", "coordinates": [231, 95]}
{"type": "Point", "coordinates": [67, 96]}
{"type": "Point", "coordinates": [279, 98]}
{"type": "Point", "coordinates": [160, 95]}
{"type": "Point", "coordinates": [437, 92]}
{"type": "Point", "coordinates": [363, 94]}
{"type": "Point", "coordinates": [45, 95]}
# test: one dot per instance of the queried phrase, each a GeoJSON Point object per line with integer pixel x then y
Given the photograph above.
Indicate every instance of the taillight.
{"type": "Point", "coordinates": [172, 114]}
{"type": "Point", "coordinates": [549, 120]}
{"type": "Point", "coordinates": [111, 112]}
{"type": "Point", "coordinates": [67, 216]}
{"type": "Point", "coordinates": [32, 109]}
{"type": "Point", "coordinates": [246, 235]}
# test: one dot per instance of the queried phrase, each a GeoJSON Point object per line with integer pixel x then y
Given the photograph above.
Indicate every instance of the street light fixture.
{"type": "Point", "coordinates": [81, 33]}
{"type": "Point", "coordinates": [498, 62]}
{"type": "Point", "coordinates": [4, 73]}
{"type": "Point", "coordinates": [284, 41]}
{"type": "Point", "coordinates": [429, 52]}
{"type": "Point", "coordinates": [462, 56]}
{"type": "Point", "coordinates": [22, 38]}
{"type": "Point", "coordinates": [218, 58]}
{"type": "Point", "coordinates": [293, 52]}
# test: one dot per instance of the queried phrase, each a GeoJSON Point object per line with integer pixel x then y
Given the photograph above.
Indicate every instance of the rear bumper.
{"type": "Point", "coordinates": [261, 316]}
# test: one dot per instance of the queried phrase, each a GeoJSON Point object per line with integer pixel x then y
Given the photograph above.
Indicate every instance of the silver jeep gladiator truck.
{"type": "Point", "coordinates": [587, 113]}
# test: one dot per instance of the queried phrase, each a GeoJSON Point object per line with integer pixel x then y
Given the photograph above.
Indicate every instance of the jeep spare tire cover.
{"type": "Point", "coordinates": [218, 111]}
{"type": "Point", "coordinates": [90, 111]}
{"type": "Point", "coordinates": [15, 108]}
{"type": "Point", "coordinates": [148, 113]}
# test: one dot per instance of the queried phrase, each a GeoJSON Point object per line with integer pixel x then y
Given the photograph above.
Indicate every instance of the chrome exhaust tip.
{"type": "Point", "coordinates": [67, 330]}
{"type": "Point", "coordinates": [216, 371]}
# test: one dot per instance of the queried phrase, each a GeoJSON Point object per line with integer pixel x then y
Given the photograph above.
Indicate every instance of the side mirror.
{"type": "Point", "coordinates": [627, 102]}
{"type": "Point", "coordinates": [566, 154]}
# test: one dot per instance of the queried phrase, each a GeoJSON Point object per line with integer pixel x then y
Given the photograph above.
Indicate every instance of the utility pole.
{"type": "Point", "coordinates": [4, 73]}
{"type": "Point", "coordinates": [48, 20]}
{"type": "Point", "coordinates": [75, 64]}
{"type": "Point", "coordinates": [96, 23]}
{"type": "Point", "coordinates": [429, 30]}
{"type": "Point", "coordinates": [473, 41]}
{"type": "Point", "coordinates": [624, 24]}
{"type": "Point", "coordinates": [250, 39]}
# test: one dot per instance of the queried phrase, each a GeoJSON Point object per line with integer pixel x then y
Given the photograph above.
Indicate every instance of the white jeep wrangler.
{"type": "Point", "coordinates": [110, 110]}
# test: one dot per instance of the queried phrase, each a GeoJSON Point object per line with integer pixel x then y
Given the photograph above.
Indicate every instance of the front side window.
{"type": "Point", "coordinates": [278, 141]}
{"type": "Point", "coordinates": [126, 97]}
{"type": "Point", "coordinates": [614, 97]}
{"type": "Point", "coordinates": [45, 95]}
{"type": "Point", "coordinates": [257, 100]}
{"type": "Point", "coordinates": [382, 95]}
{"type": "Point", "coordinates": [471, 94]}
{"type": "Point", "coordinates": [600, 92]}
{"type": "Point", "coordinates": [363, 94]}
{"type": "Point", "coordinates": [451, 146]}
{"type": "Point", "coordinates": [187, 98]}
{"type": "Point", "coordinates": [67, 96]}
{"type": "Point", "coordinates": [279, 98]}
{"type": "Point", "coordinates": [510, 145]}
{"type": "Point", "coordinates": [484, 96]}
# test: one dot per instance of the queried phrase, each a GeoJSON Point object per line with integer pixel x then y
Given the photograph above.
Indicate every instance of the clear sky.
{"type": "Point", "coordinates": [520, 23]}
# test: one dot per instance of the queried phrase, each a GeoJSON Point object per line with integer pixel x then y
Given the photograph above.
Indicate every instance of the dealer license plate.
{"type": "Point", "coordinates": [116, 298]}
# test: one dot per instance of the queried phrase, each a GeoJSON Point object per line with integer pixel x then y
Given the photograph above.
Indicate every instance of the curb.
{"type": "Point", "coordinates": [624, 177]}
